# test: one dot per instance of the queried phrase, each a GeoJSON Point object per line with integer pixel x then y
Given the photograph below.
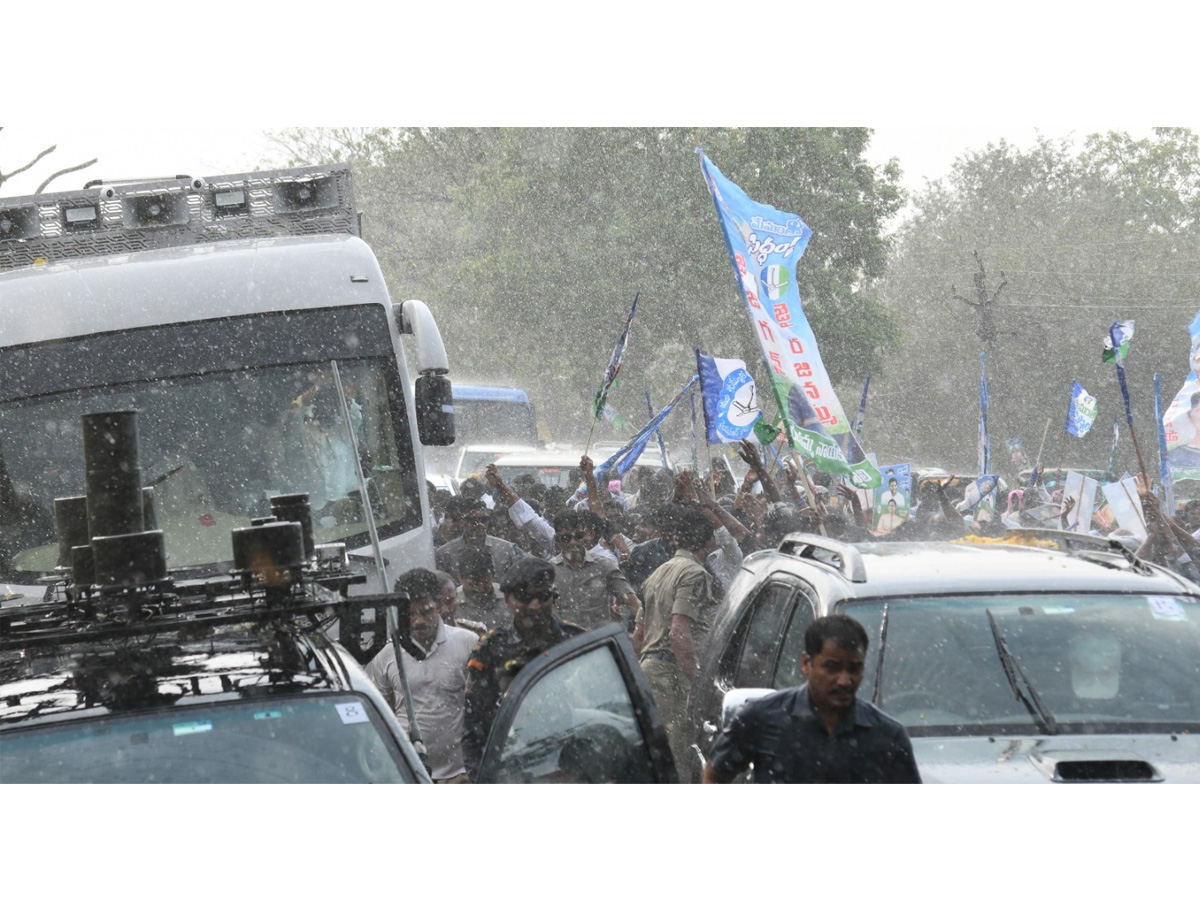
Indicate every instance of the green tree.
{"type": "Point", "coordinates": [1080, 239]}
{"type": "Point", "coordinates": [529, 245]}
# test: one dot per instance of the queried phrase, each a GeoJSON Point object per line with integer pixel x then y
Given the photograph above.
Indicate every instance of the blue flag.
{"type": "Point", "coordinates": [614, 363]}
{"type": "Point", "coordinates": [621, 461]}
{"type": "Point", "coordinates": [765, 245]}
{"type": "Point", "coordinates": [730, 404]}
{"type": "Point", "coordinates": [1081, 411]}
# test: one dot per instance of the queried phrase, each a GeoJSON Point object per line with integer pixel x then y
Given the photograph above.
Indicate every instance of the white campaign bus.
{"type": "Point", "coordinates": [226, 311]}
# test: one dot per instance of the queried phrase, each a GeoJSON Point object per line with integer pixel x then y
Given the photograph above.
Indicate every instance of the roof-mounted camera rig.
{"type": "Point", "coordinates": [112, 579]}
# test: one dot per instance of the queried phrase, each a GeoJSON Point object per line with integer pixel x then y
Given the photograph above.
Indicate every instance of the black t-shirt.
{"type": "Point", "coordinates": [785, 739]}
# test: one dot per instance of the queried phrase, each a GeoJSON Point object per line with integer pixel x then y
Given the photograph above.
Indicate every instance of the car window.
{"type": "Point", "coordinates": [762, 631]}
{"type": "Point", "coordinates": [787, 673]}
{"type": "Point", "coordinates": [576, 725]}
{"type": "Point", "coordinates": [326, 739]}
{"type": "Point", "coordinates": [1097, 662]}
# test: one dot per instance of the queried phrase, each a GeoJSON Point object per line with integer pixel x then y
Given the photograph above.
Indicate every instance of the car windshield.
{"type": "Point", "coordinates": [215, 448]}
{"type": "Point", "coordinates": [1095, 662]}
{"type": "Point", "coordinates": [324, 739]}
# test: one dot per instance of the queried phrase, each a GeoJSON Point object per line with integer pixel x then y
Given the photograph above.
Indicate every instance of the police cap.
{"type": "Point", "coordinates": [528, 576]}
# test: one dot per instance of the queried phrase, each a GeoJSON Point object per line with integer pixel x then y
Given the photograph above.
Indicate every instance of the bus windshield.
{"type": "Point", "coordinates": [216, 446]}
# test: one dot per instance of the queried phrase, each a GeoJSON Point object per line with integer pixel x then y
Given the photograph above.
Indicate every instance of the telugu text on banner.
{"type": "Point", "coordinates": [765, 246]}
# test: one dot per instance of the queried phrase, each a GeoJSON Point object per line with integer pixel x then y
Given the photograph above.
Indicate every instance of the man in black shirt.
{"type": "Point", "coordinates": [500, 655]}
{"type": "Point", "coordinates": [821, 732]}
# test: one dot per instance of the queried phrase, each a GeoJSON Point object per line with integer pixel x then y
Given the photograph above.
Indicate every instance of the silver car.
{"type": "Point", "coordinates": [1006, 663]}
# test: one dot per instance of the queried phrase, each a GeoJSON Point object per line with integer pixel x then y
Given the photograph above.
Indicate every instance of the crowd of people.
{"type": "Point", "coordinates": [524, 566]}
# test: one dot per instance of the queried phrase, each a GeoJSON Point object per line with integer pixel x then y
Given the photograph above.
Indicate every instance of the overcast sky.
{"type": "Point", "coordinates": [924, 152]}
{"type": "Point", "coordinates": [933, 79]}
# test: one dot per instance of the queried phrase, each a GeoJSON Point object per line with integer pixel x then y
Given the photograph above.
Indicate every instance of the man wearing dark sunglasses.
{"type": "Point", "coordinates": [496, 659]}
{"type": "Point", "coordinates": [472, 518]}
{"type": "Point", "coordinates": [592, 586]}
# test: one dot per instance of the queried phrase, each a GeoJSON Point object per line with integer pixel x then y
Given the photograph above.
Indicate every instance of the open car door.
{"type": "Point", "coordinates": [581, 713]}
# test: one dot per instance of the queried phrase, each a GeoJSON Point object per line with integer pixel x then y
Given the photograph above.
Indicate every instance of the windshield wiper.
{"type": "Point", "coordinates": [877, 694]}
{"type": "Point", "coordinates": [1012, 669]}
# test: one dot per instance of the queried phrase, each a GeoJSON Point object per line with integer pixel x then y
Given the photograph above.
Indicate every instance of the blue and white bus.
{"type": "Point", "coordinates": [493, 415]}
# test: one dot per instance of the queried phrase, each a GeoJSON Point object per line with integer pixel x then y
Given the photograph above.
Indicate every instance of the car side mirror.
{"type": "Point", "coordinates": [435, 410]}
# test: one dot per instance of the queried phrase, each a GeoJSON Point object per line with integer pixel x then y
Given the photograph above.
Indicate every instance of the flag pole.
{"type": "Point", "coordinates": [808, 491]}
{"type": "Point", "coordinates": [712, 480]}
{"type": "Point", "coordinates": [1129, 421]}
{"type": "Point", "coordinates": [1042, 445]}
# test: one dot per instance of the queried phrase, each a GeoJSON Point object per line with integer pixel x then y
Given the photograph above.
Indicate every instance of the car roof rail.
{"type": "Point", "coordinates": [839, 555]}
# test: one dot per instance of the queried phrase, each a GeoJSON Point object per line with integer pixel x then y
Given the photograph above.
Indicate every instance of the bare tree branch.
{"type": "Point", "coordinates": [42, 186]}
{"type": "Point", "coordinates": [28, 165]}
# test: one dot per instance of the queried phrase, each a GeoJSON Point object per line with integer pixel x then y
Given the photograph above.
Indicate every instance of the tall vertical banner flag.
{"type": "Point", "coordinates": [984, 445]}
{"type": "Point", "coordinates": [1164, 468]}
{"type": "Point", "coordinates": [1081, 411]}
{"type": "Point", "coordinates": [730, 405]}
{"type": "Point", "coordinates": [765, 246]}
{"type": "Point", "coordinates": [1181, 421]}
{"type": "Point", "coordinates": [614, 362]}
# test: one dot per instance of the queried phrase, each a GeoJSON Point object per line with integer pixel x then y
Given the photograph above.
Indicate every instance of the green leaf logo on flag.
{"type": "Point", "coordinates": [1116, 342]}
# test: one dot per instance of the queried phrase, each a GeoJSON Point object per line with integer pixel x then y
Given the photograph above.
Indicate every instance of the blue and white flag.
{"type": "Point", "coordinates": [622, 461]}
{"type": "Point", "coordinates": [765, 245]}
{"type": "Point", "coordinates": [1081, 411]}
{"type": "Point", "coordinates": [976, 491]}
{"type": "Point", "coordinates": [614, 363]}
{"type": "Point", "coordinates": [730, 401]}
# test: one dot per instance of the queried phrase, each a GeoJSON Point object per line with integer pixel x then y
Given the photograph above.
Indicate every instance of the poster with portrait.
{"type": "Point", "coordinates": [891, 504]}
{"type": "Point", "coordinates": [1181, 421]}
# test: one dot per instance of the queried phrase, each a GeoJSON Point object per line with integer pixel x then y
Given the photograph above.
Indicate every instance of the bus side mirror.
{"type": "Point", "coordinates": [435, 410]}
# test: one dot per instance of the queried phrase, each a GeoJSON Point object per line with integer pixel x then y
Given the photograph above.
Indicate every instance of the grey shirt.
{"type": "Point", "coordinates": [586, 594]}
{"type": "Point", "coordinates": [438, 684]}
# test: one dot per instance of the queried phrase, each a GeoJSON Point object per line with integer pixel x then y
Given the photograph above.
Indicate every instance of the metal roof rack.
{"type": "Point", "coordinates": [842, 557]}
{"type": "Point", "coordinates": [117, 218]}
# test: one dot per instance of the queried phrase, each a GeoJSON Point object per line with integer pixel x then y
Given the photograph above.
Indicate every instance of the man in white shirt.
{"type": "Point", "coordinates": [437, 683]}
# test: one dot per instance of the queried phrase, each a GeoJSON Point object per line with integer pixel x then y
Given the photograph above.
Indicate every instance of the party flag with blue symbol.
{"type": "Point", "coordinates": [728, 394]}
{"type": "Point", "coordinates": [614, 363]}
{"type": "Point", "coordinates": [765, 245]}
{"type": "Point", "coordinates": [1081, 411]}
{"type": "Point", "coordinates": [1117, 341]}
